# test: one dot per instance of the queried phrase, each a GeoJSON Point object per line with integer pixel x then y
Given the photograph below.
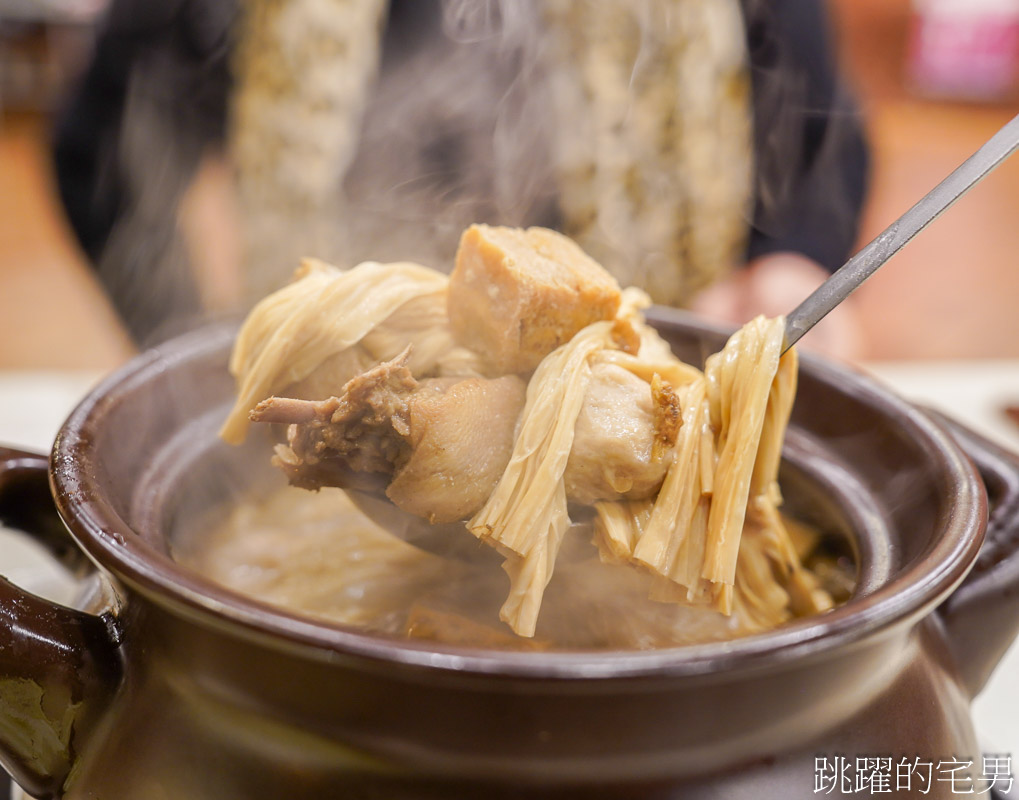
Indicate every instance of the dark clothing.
{"type": "Point", "coordinates": [810, 154]}
{"type": "Point", "coordinates": [120, 184]}
{"type": "Point", "coordinates": [182, 44]}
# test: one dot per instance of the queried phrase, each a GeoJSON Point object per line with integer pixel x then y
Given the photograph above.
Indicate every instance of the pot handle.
{"type": "Point", "coordinates": [981, 616]}
{"type": "Point", "coordinates": [59, 668]}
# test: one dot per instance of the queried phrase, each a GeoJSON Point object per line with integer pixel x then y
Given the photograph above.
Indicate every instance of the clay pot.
{"type": "Point", "coordinates": [174, 687]}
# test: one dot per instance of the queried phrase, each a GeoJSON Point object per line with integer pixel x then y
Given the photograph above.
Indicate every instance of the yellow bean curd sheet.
{"type": "Point", "coordinates": [315, 554]}
{"type": "Point", "coordinates": [707, 557]}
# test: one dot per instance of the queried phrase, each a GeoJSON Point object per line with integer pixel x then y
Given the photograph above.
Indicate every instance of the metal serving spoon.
{"type": "Point", "coordinates": [453, 541]}
{"type": "Point", "coordinates": [446, 539]}
{"type": "Point", "coordinates": [866, 262]}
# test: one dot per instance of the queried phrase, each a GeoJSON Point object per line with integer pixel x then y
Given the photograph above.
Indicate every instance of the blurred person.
{"type": "Point", "coordinates": [674, 139]}
{"type": "Point", "coordinates": [148, 111]}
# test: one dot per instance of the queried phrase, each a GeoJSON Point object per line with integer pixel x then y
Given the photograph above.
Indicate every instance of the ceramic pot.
{"type": "Point", "coordinates": [171, 686]}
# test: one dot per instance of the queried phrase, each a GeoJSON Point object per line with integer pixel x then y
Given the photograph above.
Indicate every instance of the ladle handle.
{"type": "Point", "coordinates": [866, 262]}
{"type": "Point", "coordinates": [58, 667]}
{"type": "Point", "coordinates": [982, 616]}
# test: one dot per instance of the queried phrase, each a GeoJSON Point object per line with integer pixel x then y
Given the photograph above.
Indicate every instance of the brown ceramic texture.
{"type": "Point", "coordinates": [180, 688]}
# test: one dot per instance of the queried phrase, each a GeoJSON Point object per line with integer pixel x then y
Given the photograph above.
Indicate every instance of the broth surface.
{"type": "Point", "coordinates": [314, 553]}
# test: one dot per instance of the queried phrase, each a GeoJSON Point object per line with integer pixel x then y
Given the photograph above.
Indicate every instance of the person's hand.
{"type": "Point", "coordinates": [209, 223]}
{"type": "Point", "coordinates": [775, 284]}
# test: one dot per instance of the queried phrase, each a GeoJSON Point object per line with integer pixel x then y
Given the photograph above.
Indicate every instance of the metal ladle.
{"type": "Point", "coordinates": [452, 540]}
{"type": "Point", "coordinates": [865, 263]}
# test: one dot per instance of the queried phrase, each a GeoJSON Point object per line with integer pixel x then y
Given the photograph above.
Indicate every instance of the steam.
{"type": "Point", "coordinates": [471, 21]}
{"type": "Point", "coordinates": [459, 126]}
{"type": "Point", "coordinates": [274, 549]}
{"type": "Point", "coordinates": [457, 132]}
{"type": "Point", "coordinates": [144, 265]}
{"type": "Point", "coordinates": [809, 150]}
{"type": "Point", "coordinates": [171, 113]}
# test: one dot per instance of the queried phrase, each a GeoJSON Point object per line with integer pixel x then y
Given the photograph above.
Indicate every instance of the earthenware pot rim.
{"type": "Point", "coordinates": [111, 543]}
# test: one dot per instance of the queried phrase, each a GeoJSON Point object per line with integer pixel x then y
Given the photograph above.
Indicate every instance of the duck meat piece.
{"type": "Point", "coordinates": [440, 444]}
{"type": "Point", "coordinates": [623, 437]}
{"type": "Point", "coordinates": [363, 429]}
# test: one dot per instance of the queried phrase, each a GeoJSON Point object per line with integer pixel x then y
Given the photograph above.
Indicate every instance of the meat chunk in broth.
{"type": "Point", "coordinates": [362, 431]}
{"type": "Point", "coordinates": [529, 386]}
{"type": "Point", "coordinates": [461, 437]}
{"type": "Point", "coordinates": [614, 452]}
{"type": "Point", "coordinates": [438, 445]}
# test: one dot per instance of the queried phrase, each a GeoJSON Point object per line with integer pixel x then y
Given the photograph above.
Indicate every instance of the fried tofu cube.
{"type": "Point", "coordinates": [515, 295]}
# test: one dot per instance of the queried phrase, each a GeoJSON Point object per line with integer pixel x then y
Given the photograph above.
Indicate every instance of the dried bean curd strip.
{"type": "Point", "coordinates": [711, 534]}
{"type": "Point", "coordinates": [526, 515]}
{"type": "Point", "coordinates": [289, 334]}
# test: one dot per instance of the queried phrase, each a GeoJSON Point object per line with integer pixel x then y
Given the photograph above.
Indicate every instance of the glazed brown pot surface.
{"type": "Point", "coordinates": [176, 687]}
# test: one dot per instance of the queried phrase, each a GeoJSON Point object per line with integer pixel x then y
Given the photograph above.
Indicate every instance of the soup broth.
{"type": "Point", "coordinates": [316, 554]}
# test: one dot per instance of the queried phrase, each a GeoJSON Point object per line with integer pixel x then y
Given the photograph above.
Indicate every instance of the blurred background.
{"type": "Point", "coordinates": [933, 79]}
